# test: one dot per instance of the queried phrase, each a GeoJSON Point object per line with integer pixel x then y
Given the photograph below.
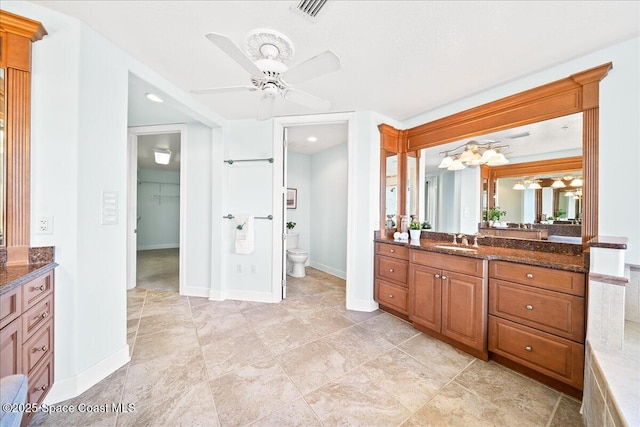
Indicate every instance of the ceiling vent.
{"type": "Point", "coordinates": [310, 8]}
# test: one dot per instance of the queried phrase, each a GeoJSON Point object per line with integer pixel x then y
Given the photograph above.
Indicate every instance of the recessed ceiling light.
{"type": "Point", "coordinates": [162, 157]}
{"type": "Point", "coordinates": [312, 139]}
{"type": "Point", "coordinates": [153, 97]}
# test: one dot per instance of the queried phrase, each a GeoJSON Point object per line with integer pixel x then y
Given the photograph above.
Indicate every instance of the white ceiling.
{"type": "Point", "coordinates": [399, 58]}
{"type": "Point", "coordinates": [165, 141]}
{"type": "Point", "coordinates": [328, 135]}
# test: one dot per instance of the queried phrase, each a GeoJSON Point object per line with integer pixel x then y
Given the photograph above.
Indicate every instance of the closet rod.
{"type": "Point", "coordinates": [257, 217]}
{"type": "Point", "coordinates": [157, 182]}
{"type": "Point", "coordinates": [231, 161]}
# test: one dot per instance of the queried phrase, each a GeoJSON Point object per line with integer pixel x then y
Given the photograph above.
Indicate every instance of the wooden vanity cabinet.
{"type": "Point", "coordinates": [448, 299]}
{"type": "Point", "coordinates": [390, 285]}
{"type": "Point", "coordinates": [27, 340]}
{"type": "Point", "coordinates": [537, 319]}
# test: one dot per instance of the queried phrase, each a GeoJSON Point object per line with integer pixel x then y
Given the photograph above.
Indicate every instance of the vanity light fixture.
{"type": "Point", "coordinates": [569, 194]}
{"type": "Point", "coordinates": [557, 183]}
{"type": "Point", "coordinates": [153, 97]}
{"type": "Point", "coordinates": [474, 153]}
{"type": "Point", "coordinates": [519, 186]}
{"type": "Point", "coordinates": [162, 157]}
{"type": "Point", "coordinates": [577, 182]}
{"type": "Point", "coordinates": [535, 185]}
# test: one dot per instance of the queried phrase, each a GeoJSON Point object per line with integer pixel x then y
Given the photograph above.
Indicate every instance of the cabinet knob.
{"type": "Point", "coordinates": [44, 387]}
{"type": "Point", "coordinates": [390, 295]}
{"type": "Point", "coordinates": [43, 348]}
{"type": "Point", "coordinates": [528, 348]}
{"type": "Point", "coordinates": [444, 277]}
{"type": "Point", "coordinates": [529, 307]}
{"type": "Point", "coordinates": [529, 276]}
{"type": "Point", "coordinates": [43, 315]}
{"type": "Point", "coordinates": [391, 270]}
{"type": "Point", "coordinates": [437, 276]}
{"type": "Point", "coordinates": [392, 251]}
{"type": "Point", "coordinates": [39, 288]}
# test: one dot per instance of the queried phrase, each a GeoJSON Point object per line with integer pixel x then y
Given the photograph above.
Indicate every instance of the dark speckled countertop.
{"type": "Point", "coordinates": [17, 275]}
{"type": "Point", "coordinates": [576, 263]}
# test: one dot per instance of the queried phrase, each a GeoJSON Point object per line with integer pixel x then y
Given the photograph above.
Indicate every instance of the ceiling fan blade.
{"type": "Point", "coordinates": [307, 100]}
{"type": "Point", "coordinates": [265, 108]}
{"type": "Point", "coordinates": [311, 68]}
{"type": "Point", "coordinates": [224, 89]}
{"type": "Point", "coordinates": [230, 48]}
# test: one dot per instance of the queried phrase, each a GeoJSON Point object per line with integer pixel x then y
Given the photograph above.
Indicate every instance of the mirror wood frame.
{"type": "Point", "coordinates": [578, 93]}
{"type": "Point", "coordinates": [16, 35]}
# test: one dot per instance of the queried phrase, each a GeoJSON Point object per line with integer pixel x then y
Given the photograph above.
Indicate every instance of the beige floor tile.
{"type": "Point", "coordinates": [158, 269]}
{"type": "Point", "coordinates": [233, 352]}
{"type": "Point", "coordinates": [358, 316]}
{"type": "Point", "coordinates": [405, 379]}
{"type": "Point", "coordinates": [295, 414]}
{"type": "Point", "coordinates": [357, 344]}
{"type": "Point", "coordinates": [303, 305]}
{"type": "Point", "coordinates": [517, 395]}
{"type": "Point", "coordinates": [325, 321]}
{"type": "Point", "coordinates": [196, 301]}
{"type": "Point", "coordinates": [437, 355]}
{"type": "Point", "coordinates": [271, 314]}
{"type": "Point", "coordinates": [455, 406]}
{"type": "Point", "coordinates": [390, 328]}
{"type": "Point", "coordinates": [333, 298]}
{"type": "Point", "coordinates": [252, 392]}
{"type": "Point", "coordinates": [193, 406]}
{"type": "Point", "coordinates": [164, 322]}
{"type": "Point", "coordinates": [313, 365]}
{"type": "Point", "coordinates": [355, 400]}
{"type": "Point", "coordinates": [567, 414]}
{"type": "Point", "coordinates": [211, 329]}
{"type": "Point", "coordinates": [166, 342]}
{"type": "Point", "coordinates": [313, 286]}
{"type": "Point", "coordinates": [286, 336]}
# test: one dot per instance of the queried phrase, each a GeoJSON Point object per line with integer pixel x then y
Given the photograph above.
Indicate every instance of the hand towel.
{"type": "Point", "coordinates": [244, 234]}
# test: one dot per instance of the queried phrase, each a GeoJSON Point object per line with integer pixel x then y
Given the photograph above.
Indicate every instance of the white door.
{"type": "Point", "coordinates": [132, 211]}
{"type": "Point", "coordinates": [284, 213]}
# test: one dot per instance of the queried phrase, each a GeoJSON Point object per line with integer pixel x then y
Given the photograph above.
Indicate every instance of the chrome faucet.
{"type": "Point", "coordinates": [475, 239]}
{"type": "Point", "coordinates": [464, 241]}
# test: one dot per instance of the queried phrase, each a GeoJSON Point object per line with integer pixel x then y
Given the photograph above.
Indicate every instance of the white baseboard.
{"type": "Point", "coordinates": [333, 271]}
{"type": "Point", "coordinates": [75, 386]}
{"type": "Point", "coordinates": [362, 305]}
{"type": "Point", "coordinates": [226, 294]}
{"type": "Point", "coordinates": [192, 291]}
{"type": "Point", "coordinates": [160, 246]}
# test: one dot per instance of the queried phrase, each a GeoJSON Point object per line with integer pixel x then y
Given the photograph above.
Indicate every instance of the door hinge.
{"type": "Point", "coordinates": [284, 236]}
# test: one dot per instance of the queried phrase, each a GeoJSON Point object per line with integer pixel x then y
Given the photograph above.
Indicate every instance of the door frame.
{"type": "Point", "coordinates": [279, 246]}
{"type": "Point", "coordinates": [132, 202]}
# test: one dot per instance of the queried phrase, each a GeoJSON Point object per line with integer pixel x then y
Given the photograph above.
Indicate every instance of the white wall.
{"type": "Point", "coordinates": [619, 206]}
{"type": "Point", "coordinates": [329, 170]}
{"type": "Point", "coordinates": [299, 177]}
{"type": "Point", "coordinates": [158, 209]}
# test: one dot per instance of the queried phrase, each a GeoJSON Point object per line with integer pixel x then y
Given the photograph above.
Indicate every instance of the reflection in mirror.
{"type": "Point", "coordinates": [2, 157]}
{"type": "Point", "coordinates": [391, 192]}
{"type": "Point", "coordinates": [412, 186]}
{"type": "Point", "coordinates": [457, 200]}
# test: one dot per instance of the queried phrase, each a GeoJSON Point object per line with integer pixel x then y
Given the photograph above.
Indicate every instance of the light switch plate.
{"type": "Point", "coordinates": [110, 207]}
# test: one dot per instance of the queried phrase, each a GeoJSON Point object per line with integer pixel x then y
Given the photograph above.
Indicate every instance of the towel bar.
{"type": "Point", "coordinates": [231, 161]}
{"type": "Point", "coordinates": [257, 217]}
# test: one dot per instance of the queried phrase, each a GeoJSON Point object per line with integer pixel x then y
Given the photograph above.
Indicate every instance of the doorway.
{"type": "Point", "coordinates": [155, 208]}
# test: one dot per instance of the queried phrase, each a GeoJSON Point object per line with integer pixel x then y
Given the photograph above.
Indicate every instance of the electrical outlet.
{"type": "Point", "coordinates": [44, 225]}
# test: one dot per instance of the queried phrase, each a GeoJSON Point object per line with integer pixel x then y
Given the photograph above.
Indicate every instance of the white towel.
{"type": "Point", "coordinates": [244, 234]}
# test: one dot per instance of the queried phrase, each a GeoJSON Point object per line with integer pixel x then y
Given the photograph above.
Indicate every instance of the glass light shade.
{"type": "Point", "coordinates": [519, 186]}
{"type": "Point", "coordinates": [488, 155]}
{"type": "Point", "coordinates": [534, 186]}
{"type": "Point", "coordinates": [456, 165]}
{"type": "Point", "coordinates": [162, 157]}
{"type": "Point", "coordinates": [446, 162]}
{"type": "Point", "coordinates": [466, 156]}
{"type": "Point", "coordinates": [569, 194]}
{"type": "Point", "coordinates": [497, 160]}
{"type": "Point", "coordinates": [558, 184]}
{"type": "Point", "coordinates": [476, 160]}
{"type": "Point", "coordinates": [576, 182]}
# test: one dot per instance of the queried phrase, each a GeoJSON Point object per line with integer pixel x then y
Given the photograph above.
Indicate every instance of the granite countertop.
{"type": "Point", "coordinates": [17, 275]}
{"type": "Point", "coordinates": [575, 263]}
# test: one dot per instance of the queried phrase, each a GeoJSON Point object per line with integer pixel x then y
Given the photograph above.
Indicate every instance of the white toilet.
{"type": "Point", "coordinates": [296, 257]}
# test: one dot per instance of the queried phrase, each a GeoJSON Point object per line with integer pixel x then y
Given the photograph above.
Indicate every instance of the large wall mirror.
{"type": "Point", "coordinates": [2, 158]}
{"type": "Point", "coordinates": [554, 125]}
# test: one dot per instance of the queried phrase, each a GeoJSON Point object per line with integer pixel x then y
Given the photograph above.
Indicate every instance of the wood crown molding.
{"type": "Point", "coordinates": [19, 25]}
{"type": "Point", "coordinates": [565, 164]}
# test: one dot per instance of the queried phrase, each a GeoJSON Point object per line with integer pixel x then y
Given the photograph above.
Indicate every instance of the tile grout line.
{"type": "Point", "coordinates": [553, 412]}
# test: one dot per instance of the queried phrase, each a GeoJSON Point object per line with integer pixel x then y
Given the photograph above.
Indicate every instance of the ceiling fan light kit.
{"type": "Point", "coordinates": [267, 53]}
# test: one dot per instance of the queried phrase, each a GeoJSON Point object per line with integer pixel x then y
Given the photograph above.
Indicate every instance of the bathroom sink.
{"type": "Point", "coordinates": [456, 248]}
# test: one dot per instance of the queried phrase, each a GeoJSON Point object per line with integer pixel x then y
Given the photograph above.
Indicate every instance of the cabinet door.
{"type": "Point", "coordinates": [10, 345]}
{"type": "Point", "coordinates": [425, 296]}
{"type": "Point", "coordinates": [464, 312]}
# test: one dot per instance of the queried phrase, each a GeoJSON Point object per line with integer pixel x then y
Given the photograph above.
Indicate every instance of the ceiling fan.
{"type": "Point", "coordinates": [268, 51]}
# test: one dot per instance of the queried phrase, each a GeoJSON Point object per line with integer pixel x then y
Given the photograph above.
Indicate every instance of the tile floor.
{"type": "Point", "coordinates": [305, 362]}
{"type": "Point", "coordinates": [158, 269]}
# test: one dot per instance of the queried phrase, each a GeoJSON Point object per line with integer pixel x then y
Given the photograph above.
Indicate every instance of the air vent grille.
{"type": "Point", "coordinates": [311, 7]}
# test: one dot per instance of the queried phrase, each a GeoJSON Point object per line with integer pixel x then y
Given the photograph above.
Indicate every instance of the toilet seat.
{"type": "Point", "coordinates": [297, 251]}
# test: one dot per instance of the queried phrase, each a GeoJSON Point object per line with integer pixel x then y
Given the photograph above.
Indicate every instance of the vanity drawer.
{"type": "Point", "coordinates": [395, 251]}
{"type": "Point", "coordinates": [392, 296]}
{"type": "Point", "coordinates": [10, 306]}
{"type": "Point", "coordinates": [37, 348]}
{"type": "Point", "coordinates": [40, 382]}
{"type": "Point", "coordinates": [553, 356]}
{"type": "Point", "coordinates": [37, 316]}
{"type": "Point", "coordinates": [36, 289]}
{"type": "Point", "coordinates": [553, 312]}
{"type": "Point", "coordinates": [547, 278]}
{"type": "Point", "coordinates": [392, 269]}
{"type": "Point", "coordinates": [459, 264]}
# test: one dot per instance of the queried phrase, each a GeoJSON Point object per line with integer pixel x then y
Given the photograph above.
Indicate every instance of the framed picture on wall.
{"type": "Point", "coordinates": [292, 198]}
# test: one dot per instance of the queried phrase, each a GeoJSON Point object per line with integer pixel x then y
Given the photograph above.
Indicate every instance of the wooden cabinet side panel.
{"type": "Point", "coordinates": [464, 314]}
{"type": "Point", "coordinates": [425, 296]}
{"type": "Point", "coordinates": [10, 306]}
{"type": "Point", "coordinates": [10, 349]}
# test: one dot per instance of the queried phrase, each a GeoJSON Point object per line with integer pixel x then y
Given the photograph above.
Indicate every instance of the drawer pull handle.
{"type": "Point", "coordinates": [528, 348]}
{"type": "Point", "coordinates": [43, 315]}
{"type": "Point", "coordinates": [38, 288]}
{"type": "Point", "coordinates": [437, 276]}
{"type": "Point", "coordinates": [43, 348]}
{"type": "Point", "coordinates": [444, 277]}
{"type": "Point", "coordinates": [44, 387]}
{"type": "Point", "coordinates": [390, 295]}
{"type": "Point", "coordinates": [391, 270]}
{"type": "Point", "coordinates": [529, 276]}
{"type": "Point", "coordinates": [529, 307]}
{"type": "Point", "coordinates": [392, 250]}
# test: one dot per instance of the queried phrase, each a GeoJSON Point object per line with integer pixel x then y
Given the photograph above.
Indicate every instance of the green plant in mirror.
{"type": "Point", "coordinates": [291, 225]}
{"type": "Point", "coordinates": [496, 213]}
{"type": "Point", "coordinates": [415, 225]}
{"type": "Point", "coordinates": [426, 225]}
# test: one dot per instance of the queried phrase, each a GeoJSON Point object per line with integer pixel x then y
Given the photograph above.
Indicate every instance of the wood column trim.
{"type": "Point", "coordinates": [590, 153]}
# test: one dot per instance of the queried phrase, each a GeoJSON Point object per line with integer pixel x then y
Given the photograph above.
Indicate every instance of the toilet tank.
{"type": "Point", "coordinates": [292, 240]}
